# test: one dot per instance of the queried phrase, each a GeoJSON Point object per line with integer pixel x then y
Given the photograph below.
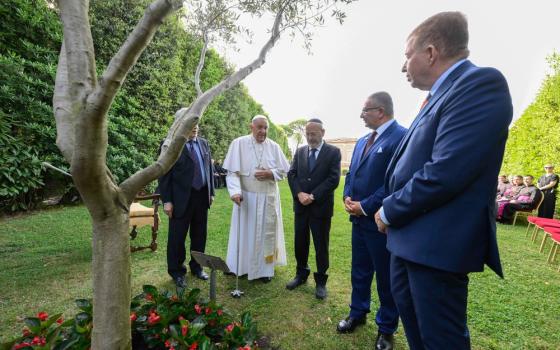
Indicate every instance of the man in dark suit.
{"type": "Point", "coordinates": [441, 182]}
{"type": "Point", "coordinates": [187, 192]}
{"type": "Point", "coordinates": [313, 177]}
{"type": "Point", "coordinates": [363, 193]}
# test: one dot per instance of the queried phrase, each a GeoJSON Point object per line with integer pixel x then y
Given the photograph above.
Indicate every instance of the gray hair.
{"type": "Point", "coordinates": [259, 117]}
{"type": "Point", "coordinates": [383, 99]}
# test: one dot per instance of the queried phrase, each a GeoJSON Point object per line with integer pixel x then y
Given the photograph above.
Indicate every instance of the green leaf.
{"type": "Point", "coordinates": [51, 320]}
{"type": "Point", "coordinates": [34, 324]}
{"type": "Point", "coordinates": [84, 304]}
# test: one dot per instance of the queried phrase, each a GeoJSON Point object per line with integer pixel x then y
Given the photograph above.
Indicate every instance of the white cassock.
{"type": "Point", "coordinates": [261, 233]}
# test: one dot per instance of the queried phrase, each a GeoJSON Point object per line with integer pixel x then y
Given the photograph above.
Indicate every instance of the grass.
{"type": "Point", "coordinates": [46, 265]}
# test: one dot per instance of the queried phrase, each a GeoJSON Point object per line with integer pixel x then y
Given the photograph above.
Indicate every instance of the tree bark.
{"type": "Point", "coordinates": [111, 281]}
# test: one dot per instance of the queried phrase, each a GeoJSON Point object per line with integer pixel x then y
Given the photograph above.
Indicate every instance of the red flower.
{"type": "Point", "coordinates": [26, 332]}
{"type": "Point", "coordinates": [149, 297]}
{"type": "Point", "coordinates": [172, 348]}
{"type": "Point", "coordinates": [197, 309]}
{"type": "Point", "coordinates": [60, 320]}
{"type": "Point", "coordinates": [43, 316]}
{"type": "Point", "coordinates": [181, 318]}
{"type": "Point", "coordinates": [133, 317]}
{"type": "Point", "coordinates": [167, 343]}
{"type": "Point", "coordinates": [21, 345]}
{"type": "Point", "coordinates": [220, 312]}
{"type": "Point", "coordinates": [230, 327]}
{"type": "Point", "coordinates": [153, 318]}
{"type": "Point", "coordinates": [184, 330]}
{"type": "Point", "coordinates": [39, 341]}
{"type": "Point", "coordinates": [246, 347]}
{"type": "Point", "coordinates": [194, 346]}
{"type": "Point", "coordinates": [208, 311]}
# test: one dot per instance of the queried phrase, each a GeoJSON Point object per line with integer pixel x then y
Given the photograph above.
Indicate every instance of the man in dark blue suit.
{"type": "Point", "coordinates": [441, 182]}
{"type": "Point", "coordinates": [187, 191]}
{"type": "Point", "coordinates": [363, 194]}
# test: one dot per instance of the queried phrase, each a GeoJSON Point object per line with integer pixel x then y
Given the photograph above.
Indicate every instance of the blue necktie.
{"type": "Point", "coordinates": [197, 181]}
{"type": "Point", "coordinates": [312, 160]}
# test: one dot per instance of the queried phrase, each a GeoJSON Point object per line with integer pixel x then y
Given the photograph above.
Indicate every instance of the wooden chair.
{"type": "Point", "coordinates": [529, 212]}
{"type": "Point", "coordinates": [141, 216]}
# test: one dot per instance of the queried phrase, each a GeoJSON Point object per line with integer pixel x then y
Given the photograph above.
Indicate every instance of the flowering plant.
{"type": "Point", "coordinates": [52, 332]}
{"type": "Point", "coordinates": [159, 320]}
{"type": "Point", "coordinates": [188, 322]}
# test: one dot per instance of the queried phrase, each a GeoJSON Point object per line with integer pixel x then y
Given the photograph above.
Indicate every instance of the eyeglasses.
{"type": "Point", "coordinates": [365, 110]}
{"type": "Point", "coordinates": [549, 167]}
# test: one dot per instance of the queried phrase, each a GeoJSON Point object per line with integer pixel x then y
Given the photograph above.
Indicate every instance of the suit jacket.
{"type": "Point", "coordinates": [321, 181]}
{"type": "Point", "coordinates": [175, 186]}
{"type": "Point", "coordinates": [442, 178]}
{"type": "Point", "coordinates": [365, 177]}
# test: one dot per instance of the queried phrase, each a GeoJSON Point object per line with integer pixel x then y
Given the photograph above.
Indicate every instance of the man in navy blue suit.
{"type": "Point", "coordinates": [441, 184]}
{"type": "Point", "coordinates": [363, 195]}
{"type": "Point", "coordinates": [187, 191]}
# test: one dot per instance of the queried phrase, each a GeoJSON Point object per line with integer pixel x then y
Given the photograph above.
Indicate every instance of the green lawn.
{"type": "Point", "coordinates": [46, 265]}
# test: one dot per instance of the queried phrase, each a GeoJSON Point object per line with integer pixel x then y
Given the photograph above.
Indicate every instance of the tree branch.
{"type": "Point", "coordinates": [80, 56]}
{"type": "Point", "coordinates": [62, 108]}
{"type": "Point", "coordinates": [128, 54]}
{"type": "Point", "coordinates": [200, 65]}
{"type": "Point", "coordinates": [186, 118]}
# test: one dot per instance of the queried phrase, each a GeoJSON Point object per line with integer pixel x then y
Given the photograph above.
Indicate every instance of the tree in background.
{"type": "Point", "coordinates": [81, 103]}
{"type": "Point", "coordinates": [296, 131]}
{"type": "Point", "coordinates": [534, 139]}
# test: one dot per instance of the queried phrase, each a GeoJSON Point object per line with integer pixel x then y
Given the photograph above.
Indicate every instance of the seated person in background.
{"type": "Point", "coordinates": [503, 185]}
{"type": "Point", "coordinates": [509, 194]}
{"type": "Point", "coordinates": [527, 199]}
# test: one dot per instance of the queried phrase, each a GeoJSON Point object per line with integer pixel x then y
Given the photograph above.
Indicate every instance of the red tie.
{"type": "Point", "coordinates": [369, 143]}
{"type": "Point", "coordinates": [425, 102]}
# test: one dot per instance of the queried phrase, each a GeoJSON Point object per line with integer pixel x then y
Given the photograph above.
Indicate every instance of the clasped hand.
{"type": "Point", "coordinates": [264, 175]}
{"type": "Point", "coordinates": [353, 207]}
{"type": "Point", "coordinates": [304, 198]}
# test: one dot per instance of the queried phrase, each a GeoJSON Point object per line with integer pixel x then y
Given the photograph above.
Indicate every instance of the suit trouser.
{"type": "Point", "coordinates": [320, 229]}
{"type": "Point", "coordinates": [370, 257]}
{"type": "Point", "coordinates": [194, 221]}
{"type": "Point", "coordinates": [432, 304]}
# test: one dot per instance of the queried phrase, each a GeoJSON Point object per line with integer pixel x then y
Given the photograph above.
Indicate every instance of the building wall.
{"type": "Point", "coordinates": [346, 146]}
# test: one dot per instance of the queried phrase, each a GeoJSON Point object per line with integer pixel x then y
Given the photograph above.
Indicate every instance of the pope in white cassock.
{"type": "Point", "coordinates": [255, 164]}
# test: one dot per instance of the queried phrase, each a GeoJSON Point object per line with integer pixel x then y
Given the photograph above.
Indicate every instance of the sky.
{"type": "Point", "coordinates": [365, 55]}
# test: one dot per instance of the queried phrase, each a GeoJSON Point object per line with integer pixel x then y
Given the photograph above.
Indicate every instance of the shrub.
{"type": "Point", "coordinates": [159, 320]}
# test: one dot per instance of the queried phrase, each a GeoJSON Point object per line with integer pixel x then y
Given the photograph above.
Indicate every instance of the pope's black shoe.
{"type": "Point", "coordinates": [384, 341]}
{"type": "Point", "coordinates": [349, 324]}
{"type": "Point", "coordinates": [321, 292]}
{"type": "Point", "coordinates": [201, 275]}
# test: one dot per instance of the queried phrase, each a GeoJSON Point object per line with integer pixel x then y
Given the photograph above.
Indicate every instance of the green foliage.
{"type": "Point", "coordinates": [29, 44]}
{"type": "Point", "coordinates": [158, 319]}
{"type": "Point", "coordinates": [160, 83]}
{"type": "Point", "coordinates": [534, 139]}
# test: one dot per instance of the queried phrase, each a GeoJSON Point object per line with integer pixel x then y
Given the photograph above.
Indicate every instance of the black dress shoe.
{"type": "Point", "coordinates": [384, 341]}
{"type": "Point", "coordinates": [180, 282]}
{"type": "Point", "coordinates": [201, 275]}
{"type": "Point", "coordinates": [321, 292]}
{"type": "Point", "coordinates": [296, 282]}
{"type": "Point", "coordinates": [349, 324]}
{"type": "Point", "coordinates": [265, 279]}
